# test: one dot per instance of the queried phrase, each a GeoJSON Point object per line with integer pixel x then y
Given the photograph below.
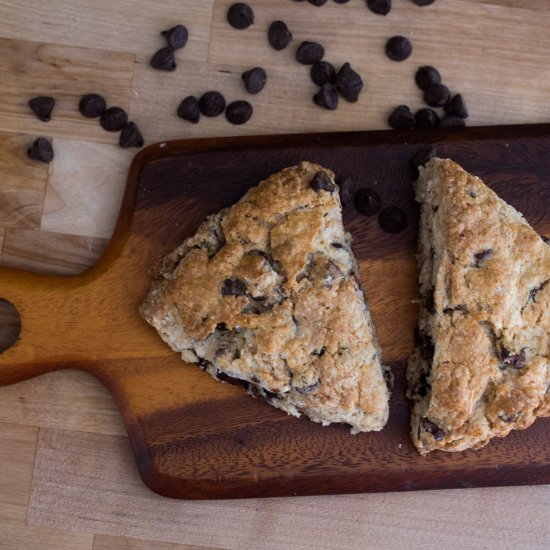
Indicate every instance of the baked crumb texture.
{"type": "Point", "coordinates": [267, 294]}
{"type": "Point", "coordinates": [481, 363]}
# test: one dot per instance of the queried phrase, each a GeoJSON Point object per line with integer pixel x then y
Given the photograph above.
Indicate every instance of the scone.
{"type": "Point", "coordinates": [267, 293]}
{"type": "Point", "coordinates": [481, 364]}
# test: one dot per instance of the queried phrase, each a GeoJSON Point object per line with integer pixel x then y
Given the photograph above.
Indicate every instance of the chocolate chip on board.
{"type": "Point", "coordinates": [380, 7]}
{"type": "Point", "coordinates": [321, 181]}
{"type": "Point", "coordinates": [318, 2]}
{"type": "Point", "coordinates": [340, 1]}
{"type": "Point", "coordinates": [401, 118]}
{"type": "Point", "coordinates": [426, 76]}
{"type": "Point", "coordinates": [254, 80]}
{"type": "Point", "coordinates": [392, 219]}
{"type": "Point", "coordinates": [212, 104]}
{"type": "Point", "coordinates": [41, 150]}
{"type": "Point", "coordinates": [278, 35]}
{"type": "Point", "coordinates": [322, 72]}
{"type": "Point", "coordinates": [189, 109]}
{"type": "Point", "coordinates": [163, 59]}
{"type": "Point", "coordinates": [348, 83]}
{"type": "Point", "coordinates": [238, 112]}
{"type": "Point", "coordinates": [345, 183]}
{"type": "Point", "coordinates": [423, 155]}
{"type": "Point", "coordinates": [452, 121]}
{"type": "Point", "coordinates": [130, 136]}
{"type": "Point", "coordinates": [113, 119]}
{"type": "Point", "coordinates": [426, 118]}
{"type": "Point", "coordinates": [176, 36]}
{"type": "Point", "coordinates": [457, 107]}
{"type": "Point", "coordinates": [327, 97]}
{"type": "Point", "coordinates": [436, 95]}
{"type": "Point", "coordinates": [367, 201]}
{"type": "Point", "coordinates": [423, 2]}
{"type": "Point", "coordinates": [42, 107]}
{"type": "Point", "coordinates": [240, 16]}
{"type": "Point", "coordinates": [309, 53]}
{"type": "Point", "coordinates": [398, 48]}
{"type": "Point", "coordinates": [92, 105]}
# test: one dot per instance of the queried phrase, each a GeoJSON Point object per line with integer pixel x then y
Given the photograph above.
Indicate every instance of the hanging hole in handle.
{"type": "Point", "coordinates": [10, 325]}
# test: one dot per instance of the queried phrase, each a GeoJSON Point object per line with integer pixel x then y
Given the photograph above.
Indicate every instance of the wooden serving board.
{"type": "Point", "coordinates": [194, 437]}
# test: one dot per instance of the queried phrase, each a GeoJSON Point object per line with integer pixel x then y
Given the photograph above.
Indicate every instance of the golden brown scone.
{"type": "Point", "coordinates": [481, 365]}
{"type": "Point", "coordinates": [267, 293]}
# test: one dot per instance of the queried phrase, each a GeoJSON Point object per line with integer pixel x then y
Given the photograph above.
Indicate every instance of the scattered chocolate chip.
{"type": "Point", "coordinates": [240, 16]}
{"type": "Point", "coordinates": [425, 345]}
{"type": "Point", "coordinates": [309, 53]}
{"type": "Point", "coordinates": [423, 155]}
{"type": "Point", "coordinates": [545, 239]}
{"type": "Point", "coordinates": [41, 150]}
{"type": "Point", "coordinates": [436, 95]}
{"type": "Point", "coordinates": [233, 287]}
{"type": "Point", "coordinates": [423, 2]}
{"type": "Point", "coordinates": [212, 104]}
{"type": "Point", "coordinates": [426, 118]}
{"type": "Point", "coordinates": [238, 112]}
{"type": "Point", "coordinates": [203, 363]}
{"type": "Point", "coordinates": [430, 301]}
{"type": "Point", "coordinates": [426, 76]}
{"type": "Point", "coordinates": [392, 219]}
{"type": "Point", "coordinates": [319, 352]}
{"type": "Point", "coordinates": [398, 48]}
{"type": "Point", "coordinates": [176, 36]}
{"type": "Point", "coordinates": [278, 35]}
{"type": "Point", "coordinates": [326, 97]}
{"type": "Point", "coordinates": [457, 107]}
{"type": "Point", "coordinates": [348, 83]}
{"type": "Point", "coordinates": [340, 1]}
{"type": "Point", "coordinates": [367, 201]}
{"type": "Point", "coordinates": [113, 119]}
{"type": "Point", "coordinates": [189, 109]}
{"type": "Point", "coordinates": [380, 7]}
{"type": "Point", "coordinates": [130, 136]}
{"type": "Point", "coordinates": [92, 105]}
{"type": "Point", "coordinates": [42, 107]}
{"type": "Point", "coordinates": [345, 184]}
{"type": "Point", "coordinates": [432, 428]}
{"type": "Point", "coordinates": [401, 118]}
{"type": "Point", "coordinates": [164, 59]}
{"type": "Point", "coordinates": [482, 257]}
{"type": "Point", "coordinates": [221, 327]}
{"type": "Point", "coordinates": [321, 181]}
{"type": "Point", "coordinates": [509, 359]}
{"type": "Point", "coordinates": [318, 2]}
{"type": "Point", "coordinates": [254, 80]}
{"type": "Point", "coordinates": [472, 194]}
{"type": "Point", "coordinates": [322, 72]}
{"type": "Point", "coordinates": [451, 121]}
{"type": "Point", "coordinates": [337, 245]}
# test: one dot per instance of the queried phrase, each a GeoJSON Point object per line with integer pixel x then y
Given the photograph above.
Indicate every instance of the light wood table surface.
{"type": "Point", "coordinates": [67, 475]}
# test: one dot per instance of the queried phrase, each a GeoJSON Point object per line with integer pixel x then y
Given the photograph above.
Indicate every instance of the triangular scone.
{"type": "Point", "coordinates": [481, 365]}
{"type": "Point", "coordinates": [267, 292]}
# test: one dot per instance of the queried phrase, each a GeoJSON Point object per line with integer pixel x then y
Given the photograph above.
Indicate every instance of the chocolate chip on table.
{"type": "Point", "coordinates": [176, 36]}
{"type": "Point", "coordinates": [240, 16]}
{"type": "Point", "coordinates": [233, 287]}
{"type": "Point", "coordinates": [42, 107]}
{"type": "Point", "coordinates": [345, 184]}
{"type": "Point", "coordinates": [113, 119]}
{"type": "Point", "coordinates": [41, 150]}
{"type": "Point", "coordinates": [423, 155]}
{"type": "Point", "coordinates": [321, 181]}
{"type": "Point", "coordinates": [189, 109]}
{"type": "Point", "coordinates": [348, 83]}
{"type": "Point", "coordinates": [426, 76]}
{"type": "Point", "coordinates": [326, 97]}
{"type": "Point", "coordinates": [401, 118]}
{"type": "Point", "coordinates": [254, 80]}
{"type": "Point", "coordinates": [322, 72]}
{"type": "Point", "coordinates": [130, 136]}
{"type": "Point", "coordinates": [392, 219]}
{"type": "Point", "coordinates": [212, 104]}
{"type": "Point", "coordinates": [92, 105]}
{"type": "Point", "coordinates": [380, 7]}
{"type": "Point", "coordinates": [238, 112]}
{"type": "Point", "coordinates": [426, 118]}
{"type": "Point", "coordinates": [164, 59]}
{"type": "Point", "coordinates": [423, 2]}
{"type": "Point", "coordinates": [451, 121]}
{"type": "Point", "coordinates": [436, 95]}
{"type": "Point", "coordinates": [278, 35]}
{"type": "Point", "coordinates": [432, 428]}
{"type": "Point", "coordinates": [318, 2]}
{"type": "Point", "coordinates": [340, 1]}
{"type": "Point", "coordinates": [367, 201]}
{"type": "Point", "coordinates": [457, 107]}
{"type": "Point", "coordinates": [309, 53]}
{"type": "Point", "coordinates": [398, 48]}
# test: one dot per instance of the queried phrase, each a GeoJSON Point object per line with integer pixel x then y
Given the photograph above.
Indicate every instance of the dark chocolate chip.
{"type": "Point", "coordinates": [460, 307]}
{"type": "Point", "coordinates": [392, 219]}
{"type": "Point", "coordinates": [472, 194]}
{"type": "Point", "coordinates": [113, 119]}
{"type": "Point", "coordinates": [322, 182]}
{"type": "Point", "coordinates": [322, 72]}
{"type": "Point", "coordinates": [426, 118]}
{"type": "Point", "coordinates": [430, 301]}
{"type": "Point", "coordinates": [309, 53]}
{"type": "Point", "coordinates": [398, 48]}
{"type": "Point", "coordinates": [240, 16]}
{"type": "Point", "coordinates": [509, 359]}
{"type": "Point", "coordinates": [130, 136]}
{"type": "Point", "coordinates": [545, 239]}
{"type": "Point", "coordinates": [307, 389]}
{"type": "Point", "coordinates": [348, 83]}
{"type": "Point", "coordinates": [223, 377]}
{"type": "Point", "coordinates": [423, 2]}
{"type": "Point", "coordinates": [221, 327]}
{"type": "Point", "coordinates": [345, 184]}
{"type": "Point", "coordinates": [436, 95]}
{"type": "Point", "coordinates": [254, 80]}
{"type": "Point", "coordinates": [451, 121]}
{"type": "Point", "coordinates": [401, 118]}
{"type": "Point", "coordinates": [423, 155]}
{"type": "Point", "coordinates": [278, 35]}
{"type": "Point", "coordinates": [41, 150]}
{"type": "Point", "coordinates": [457, 107]}
{"type": "Point", "coordinates": [319, 352]}
{"type": "Point", "coordinates": [92, 105]}
{"type": "Point", "coordinates": [337, 245]}
{"type": "Point", "coordinates": [481, 257]}
{"type": "Point", "coordinates": [426, 76]}
{"type": "Point", "coordinates": [233, 287]}
{"type": "Point", "coordinates": [318, 2]}
{"type": "Point", "coordinates": [238, 112]}
{"type": "Point", "coordinates": [203, 363]}
{"type": "Point", "coordinates": [42, 107]}
{"type": "Point", "coordinates": [425, 345]}
{"type": "Point", "coordinates": [432, 428]}
{"type": "Point", "coordinates": [327, 97]}
{"type": "Point", "coordinates": [380, 7]}
{"type": "Point", "coordinates": [212, 104]}
{"type": "Point", "coordinates": [367, 201]}
{"type": "Point", "coordinates": [508, 417]}
{"type": "Point", "coordinates": [340, 1]}
{"type": "Point", "coordinates": [189, 109]}
{"type": "Point", "coordinates": [164, 59]}
{"type": "Point", "coordinates": [176, 36]}
{"type": "Point", "coordinates": [423, 385]}
{"type": "Point", "coordinates": [534, 291]}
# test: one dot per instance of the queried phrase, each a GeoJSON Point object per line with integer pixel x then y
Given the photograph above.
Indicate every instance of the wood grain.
{"type": "Point", "coordinates": [17, 537]}
{"type": "Point", "coordinates": [106, 542]}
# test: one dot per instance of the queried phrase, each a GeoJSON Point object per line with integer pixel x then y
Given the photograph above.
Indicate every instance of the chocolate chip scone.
{"type": "Point", "coordinates": [481, 364]}
{"type": "Point", "coordinates": [267, 293]}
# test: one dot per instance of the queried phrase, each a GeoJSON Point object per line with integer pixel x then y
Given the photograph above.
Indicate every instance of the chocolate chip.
{"type": "Point", "coordinates": [189, 109]}
{"type": "Point", "coordinates": [426, 76]}
{"type": "Point", "coordinates": [436, 95]}
{"type": "Point", "coordinates": [432, 428]}
{"type": "Point", "coordinates": [130, 136]}
{"type": "Point", "coordinates": [392, 219]}
{"type": "Point", "coordinates": [426, 118]}
{"type": "Point", "coordinates": [398, 48]}
{"type": "Point", "coordinates": [41, 150]}
{"type": "Point", "coordinates": [240, 16]}
{"type": "Point", "coordinates": [451, 121]}
{"type": "Point", "coordinates": [113, 119]}
{"type": "Point", "coordinates": [423, 155]}
{"type": "Point", "coordinates": [238, 112]}
{"type": "Point", "coordinates": [367, 201]}
{"type": "Point", "coordinates": [164, 59]}
{"type": "Point", "coordinates": [42, 107]}
{"type": "Point", "coordinates": [380, 7]}
{"type": "Point", "coordinates": [176, 36]}
{"type": "Point", "coordinates": [221, 327]}
{"type": "Point", "coordinates": [425, 345]}
{"type": "Point", "coordinates": [430, 301]}
{"type": "Point", "coordinates": [457, 107]}
{"type": "Point", "coordinates": [545, 239]}
{"type": "Point", "coordinates": [318, 2]}
{"type": "Point", "coordinates": [322, 72]}
{"type": "Point", "coordinates": [509, 359]}
{"type": "Point", "coordinates": [348, 83]}
{"type": "Point", "coordinates": [92, 105]}
{"type": "Point", "coordinates": [508, 417]}
{"type": "Point", "coordinates": [337, 245]}
{"type": "Point", "coordinates": [307, 389]}
{"type": "Point", "coordinates": [423, 2]}
{"type": "Point", "coordinates": [345, 184]}
{"type": "Point", "coordinates": [212, 104]}
{"type": "Point", "coordinates": [233, 287]}
{"type": "Point", "coordinates": [340, 1]}
{"type": "Point", "coordinates": [321, 181]}
{"type": "Point", "coordinates": [326, 97]}
{"type": "Point", "coordinates": [278, 35]}
{"type": "Point", "coordinates": [254, 80]}
{"type": "Point", "coordinates": [309, 53]}
{"type": "Point", "coordinates": [401, 118]}
{"type": "Point", "coordinates": [203, 363]}
{"type": "Point", "coordinates": [319, 352]}
{"type": "Point", "coordinates": [481, 257]}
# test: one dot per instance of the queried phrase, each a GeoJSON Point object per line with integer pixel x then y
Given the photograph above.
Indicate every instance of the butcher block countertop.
{"type": "Point", "coordinates": [68, 479]}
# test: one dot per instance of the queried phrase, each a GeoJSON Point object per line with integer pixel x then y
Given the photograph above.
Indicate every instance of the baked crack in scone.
{"type": "Point", "coordinates": [267, 293]}
{"type": "Point", "coordinates": [481, 364]}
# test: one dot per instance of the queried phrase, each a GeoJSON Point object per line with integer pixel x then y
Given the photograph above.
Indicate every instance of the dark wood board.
{"type": "Point", "coordinates": [196, 438]}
